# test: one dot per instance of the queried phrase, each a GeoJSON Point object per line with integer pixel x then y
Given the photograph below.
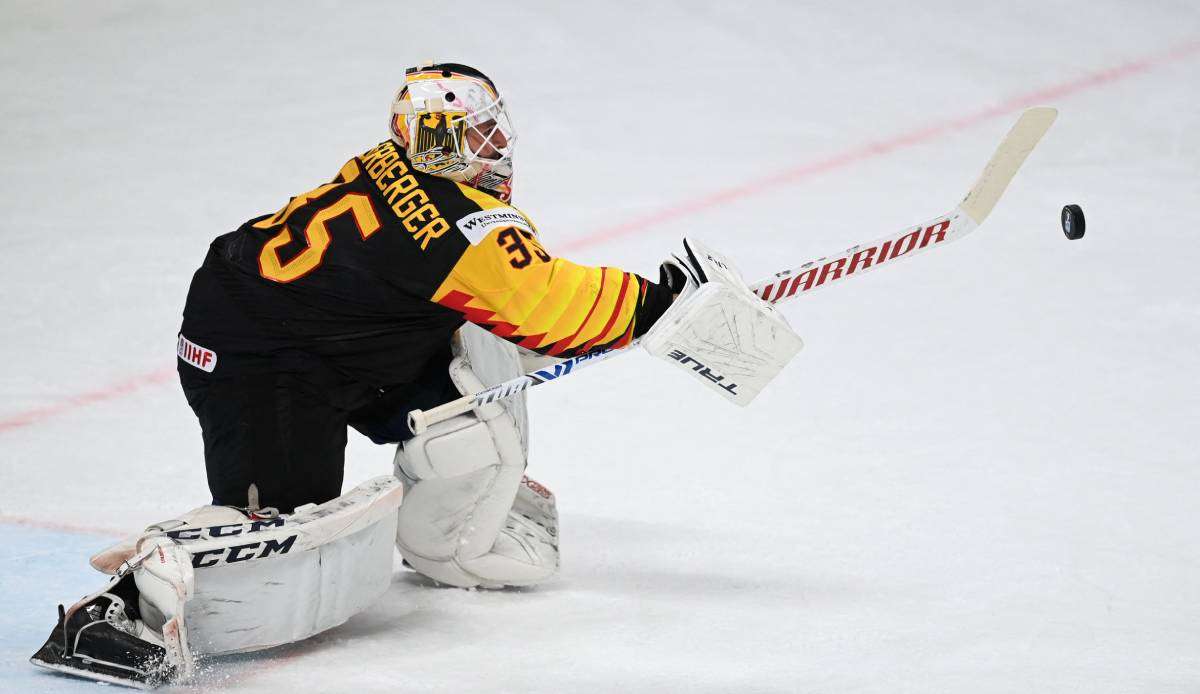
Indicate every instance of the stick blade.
{"type": "Point", "coordinates": [1009, 156]}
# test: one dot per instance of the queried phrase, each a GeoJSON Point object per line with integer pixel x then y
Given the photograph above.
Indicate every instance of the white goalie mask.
{"type": "Point", "coordinates": [451, 121]}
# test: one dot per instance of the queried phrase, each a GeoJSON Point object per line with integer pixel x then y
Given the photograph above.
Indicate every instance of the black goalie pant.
{"type": "Point", "coordinates": [285, 432]}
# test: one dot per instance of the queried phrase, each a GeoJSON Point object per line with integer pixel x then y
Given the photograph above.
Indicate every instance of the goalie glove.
{"type": "Point", "coordinates": [717, 329]}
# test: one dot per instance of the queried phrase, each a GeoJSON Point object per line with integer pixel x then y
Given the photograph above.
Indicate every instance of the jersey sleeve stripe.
{"type": "Point", "coordinates": [612, 319]}
{"type": "Point", "coordinates": [558, 347]}
{"type": "Point", "coordinates": [628, 336]}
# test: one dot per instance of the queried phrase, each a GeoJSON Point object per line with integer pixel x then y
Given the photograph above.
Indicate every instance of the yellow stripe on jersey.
{"type": "Point", "coordinates": [509, 284]}
{"type": "Point", "coordinates": [485, 201]}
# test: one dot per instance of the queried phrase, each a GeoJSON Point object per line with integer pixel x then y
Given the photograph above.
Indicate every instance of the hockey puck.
{"type": "Point", "coordinates": [1072, 222]}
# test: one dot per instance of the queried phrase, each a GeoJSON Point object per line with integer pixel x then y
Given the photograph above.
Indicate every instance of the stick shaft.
{"type": "Point", "coordinates": [420, 420]}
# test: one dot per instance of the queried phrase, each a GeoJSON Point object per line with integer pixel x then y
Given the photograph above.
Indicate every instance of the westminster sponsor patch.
{"type": "Point", "coordinates": [476, 225]}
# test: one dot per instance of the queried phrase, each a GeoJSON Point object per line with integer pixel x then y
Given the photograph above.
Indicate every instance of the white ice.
{"type": "Point", "coordinates": [981, 475]}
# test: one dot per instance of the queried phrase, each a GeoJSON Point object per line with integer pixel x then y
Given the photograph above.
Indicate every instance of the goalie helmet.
{"type": "Point", "coordinates": [451, 121]}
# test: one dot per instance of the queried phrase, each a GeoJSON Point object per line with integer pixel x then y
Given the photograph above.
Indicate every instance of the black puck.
{"type": "Point", "coordinates": [1072, 222]}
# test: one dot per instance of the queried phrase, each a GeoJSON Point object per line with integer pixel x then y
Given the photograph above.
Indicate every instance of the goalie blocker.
{"type": "Point", "coordinates": [718, 330]}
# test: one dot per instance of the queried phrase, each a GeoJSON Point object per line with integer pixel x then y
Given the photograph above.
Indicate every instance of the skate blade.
{"type": "Point", "coordinates": [91, 675]}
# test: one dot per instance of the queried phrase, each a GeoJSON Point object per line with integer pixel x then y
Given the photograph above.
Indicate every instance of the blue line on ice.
{"type": "Point", "coordinates": [41, 568]}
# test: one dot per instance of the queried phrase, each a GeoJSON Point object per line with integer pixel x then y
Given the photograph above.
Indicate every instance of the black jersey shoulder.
{"type": "Point", "coordinates": [432, 211]}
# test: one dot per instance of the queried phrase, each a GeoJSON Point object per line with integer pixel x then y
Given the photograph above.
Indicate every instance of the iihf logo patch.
{"type": "Point", "coordinates": [199, 357]}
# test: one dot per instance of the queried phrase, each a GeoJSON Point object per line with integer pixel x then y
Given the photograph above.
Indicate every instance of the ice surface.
{"type": "Point", "coordinates": [981, 475]}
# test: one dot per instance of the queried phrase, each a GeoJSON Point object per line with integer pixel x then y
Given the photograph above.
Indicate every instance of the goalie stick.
{"type": "Point", "coordinates": [814, 274]}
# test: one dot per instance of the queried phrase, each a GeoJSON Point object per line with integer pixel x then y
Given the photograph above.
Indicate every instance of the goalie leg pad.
{"type": "Point", "coordinates": [469, 517]}
{"type": "Point", "coordinates": [244, 584]}
{"type": "Point", "coordinates": [276, 581]}
{"type": "Point", "coordinates": [526, 549]}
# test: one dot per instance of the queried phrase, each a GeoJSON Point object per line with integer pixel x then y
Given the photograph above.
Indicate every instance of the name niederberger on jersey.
{"type": "Point", "coordinates": [476, 225]}
{"type": "Point", "coordinates": [403, 193]}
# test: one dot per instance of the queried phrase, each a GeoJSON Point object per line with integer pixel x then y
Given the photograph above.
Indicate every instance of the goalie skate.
{"type": "Point", "coordinates": [102, 638]}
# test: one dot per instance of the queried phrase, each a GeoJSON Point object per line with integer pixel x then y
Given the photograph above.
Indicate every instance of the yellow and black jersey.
{"type": "Point", "coordinates": [374, 270]}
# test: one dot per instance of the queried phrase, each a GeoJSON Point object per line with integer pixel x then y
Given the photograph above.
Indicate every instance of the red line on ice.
{"type": "Point", "coordinates": [870, 150]}
{"type": "Point", "coordinates": [91, 397]}
{"type": "Point", "coordinates": [60, 527]}
{"type": "Point", "coordinates": [696, 205]}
